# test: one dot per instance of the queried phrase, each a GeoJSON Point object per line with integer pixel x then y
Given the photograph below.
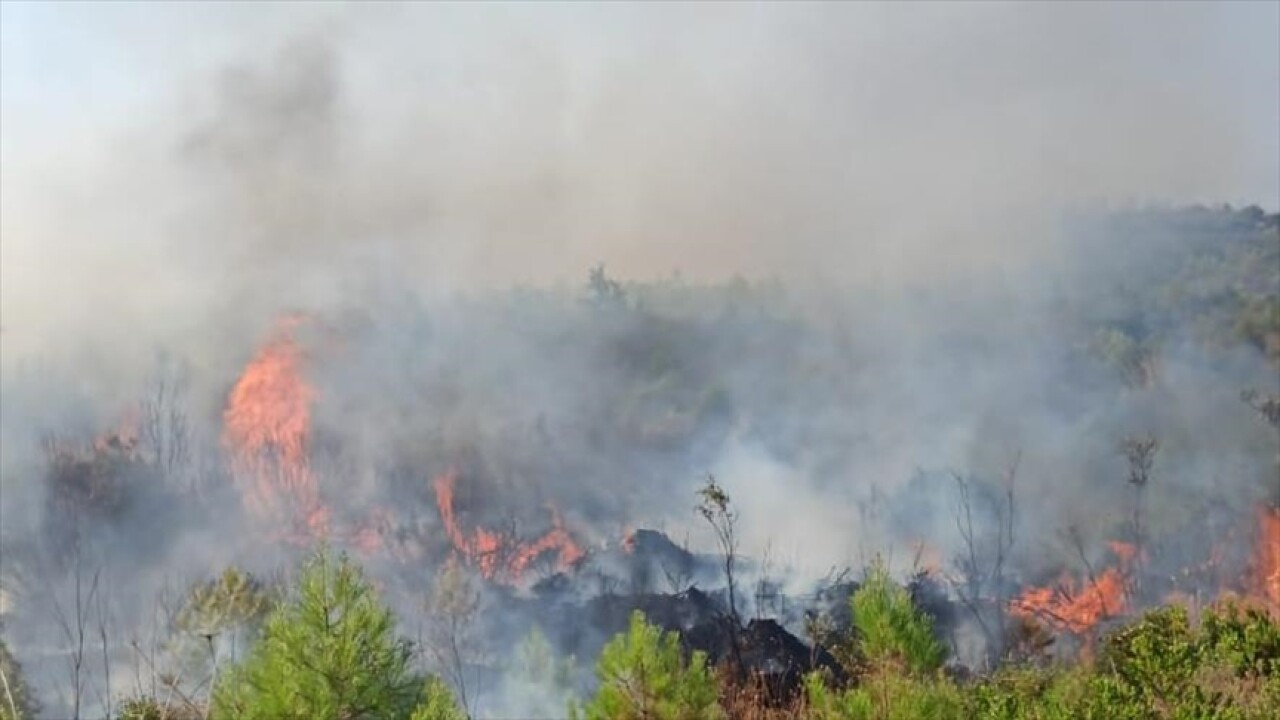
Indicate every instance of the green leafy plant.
{"type": "Point", "coordinates": [644, 676]}
{"type": "Point", "coordinates": [886, 694]}
{"type": "Point", "coordinates": [890, 629]}
{"type": "Point", "coordinates": [330, 651]}
{"type": "Point", "coordinates": [437, 703]}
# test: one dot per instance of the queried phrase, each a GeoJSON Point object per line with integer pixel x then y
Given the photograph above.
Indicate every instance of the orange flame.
{"type": "Point", "coordinates": [1264, 580]}
{"type": "Point", "coordinates": [1075, 607]}
{"type": "Point", "coordinates": [266, 427]}
{"type": "Point", "coordinates": [499, 558]}
{"type": "Point", "coordinates": [1123, 550]}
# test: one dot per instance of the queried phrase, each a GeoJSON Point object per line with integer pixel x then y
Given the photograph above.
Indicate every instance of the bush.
{"type": "Point", "coordinates": [1245, 640]}
{"type": "Point", "coordinates": [886, 694]}
{"type": "Point", "coordinates": [329, 652]}
{"type": "Point", "coordinates": [1160, 666]}
{"type": "Point", "coordinates": [890, 629]}
{"type": "Point", "coordinates": [437, 703]}
{"type": "Point", "coordinates": [643, 676]}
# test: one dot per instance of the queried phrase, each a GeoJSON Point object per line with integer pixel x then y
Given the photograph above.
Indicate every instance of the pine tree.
{"type": "Point", "coordinates": [890, 628]}
{"type": "Point", "coordinates": [643, 676]}
{"type": "Point", "coordinates": [329, 652]}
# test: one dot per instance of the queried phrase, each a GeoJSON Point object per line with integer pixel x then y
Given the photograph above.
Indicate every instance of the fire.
{"type": "Point", "coordinates": [1075, 607]}
{"type": "Point", "coordinates": [926, 558]}
{"type": "Point", "coordinates": [500, 558]}
{"type": "Point", "coordinates": [1264, 580]}
{"type": "Point", "coordinates": [266, 426]}
{"type": "Point", "coordinates": [1123, 550]}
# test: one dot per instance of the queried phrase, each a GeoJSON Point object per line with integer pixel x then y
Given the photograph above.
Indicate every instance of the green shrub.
{"type": "Point", "coordinates": [1015, 693]}
{"type": "Point", "coordinates": [643, 676]}
{"type": "Point", "coordinates": [890, 629]}
{"type": "Point", "coordinates": [1159, 666]}
{"type": "Point", "coordinates": [1244, 639]}
{"type": "Point", "coordinates": [1154, 658]}
{"type": "Point", "coordinates": [140, 708]}
{"type": "Point", "coordinates": [329, 652]}
{"type": "Point", "coordinates": [437, 703]}
{"type": "Point", "coordinates": [886, 694]}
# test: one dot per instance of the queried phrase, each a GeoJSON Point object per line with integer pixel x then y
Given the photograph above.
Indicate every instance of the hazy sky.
{"type": "Point", "coordinates": [173, 156]}
{"type": "Point", "coordinates": [69, 66]}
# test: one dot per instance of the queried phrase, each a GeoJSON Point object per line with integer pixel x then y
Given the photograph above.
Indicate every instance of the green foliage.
{"type": "Point", "coordinates": [1160, 667]}
{"type": "Point", "coordinates": [219, 618]}
{"type": "Point", "coordinates": [140, 708]}
{"type": "Point", "coordinates": [1153, 658]}
{"type": "Point", "coordinates": [886, 694]}
{"type": "Point", "coordinates": [890, 629]}
{"type": "Point", "coordinates": [16, 700]}
{"type": "Point", "coordinates": [1244, 640]}
{"type": "Point", "coordinates": [643, 676]}
{"type": "Point", "coordinates": [235, 598]}
{"type": "Point", "coordinates": [437, 703]}
{"type": "Point", "coordinates": [329, 652]}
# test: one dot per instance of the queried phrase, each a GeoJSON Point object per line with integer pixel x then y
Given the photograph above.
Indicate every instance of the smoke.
{"type": "Point", "coordinates": [289, 154]}
{"type": "Point", "coordinates": [900, 179]}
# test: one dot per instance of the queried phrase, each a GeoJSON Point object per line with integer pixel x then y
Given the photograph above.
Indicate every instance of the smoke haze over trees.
{"type": "Point", "coordinates": [482, 295]}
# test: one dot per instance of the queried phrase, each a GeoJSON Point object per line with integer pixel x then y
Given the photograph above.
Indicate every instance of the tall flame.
{"type": "Point", "coordinates": [1264, 581]}
{"type": "Point", "coordinates": [266, 427]}
{"type": "Point", "coordinates": [496, 557]}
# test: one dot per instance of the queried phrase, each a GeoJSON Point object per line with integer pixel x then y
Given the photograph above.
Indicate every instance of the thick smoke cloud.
{"type": "Point", "coordinates": [239, 159]}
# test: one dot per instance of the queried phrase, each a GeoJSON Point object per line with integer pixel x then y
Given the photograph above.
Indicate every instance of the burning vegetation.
{"type": "Point", "coordinates": [267, 428]}
{"type": "Point", "coordinates": [500, 556]}
{"type": "Point", "coordinates": [484, 498]}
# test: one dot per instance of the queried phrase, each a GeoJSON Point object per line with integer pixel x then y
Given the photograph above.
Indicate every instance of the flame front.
{"type": "Point", "coordinates": [1075, 607]}
{"type": "Point", "coordinates": [266, 427]}
{"type": "Point", "coordinates": [496, 557]}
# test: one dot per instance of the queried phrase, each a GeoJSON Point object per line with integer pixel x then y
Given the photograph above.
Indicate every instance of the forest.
{"type": "Point", "coordinates": [1055, 494]}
